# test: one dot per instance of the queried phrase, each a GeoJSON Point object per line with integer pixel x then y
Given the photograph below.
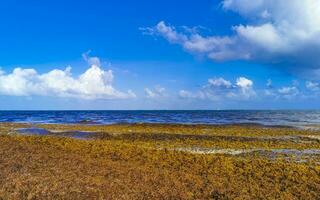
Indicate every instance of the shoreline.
{"type": "Point", "coordinates": [164, 124]}
{"type": "Point", "coordinates": [310, 127]}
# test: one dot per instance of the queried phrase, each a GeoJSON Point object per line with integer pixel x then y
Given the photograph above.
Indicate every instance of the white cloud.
{"type": "Point", "coordinates": [285, 92]}
{"type": "Point", "coordinates": [91, 60]}
{"type": "Point", "coordinates": [189, 95]}
{"type": "Point", "coordinates": [264, 37]}
{"type": "Point", "coordinates": [313, 86]}
{"type": "Point", "coordinates": [219, 88]}
{"type": "Point", "coordinates": [214, 47]}
{"type": "Point", "coordinates": [276, 32]}
{"type": "Point", "coordinates": [244, 83]}
{"type": "Point", "coordinates": [288, 90]}
{"type": "Point", "coordinates": [220, 82]}
{"type": "Point", "coordinates": [245, 86]}
{"type": "Point", "coordinates": [157, 92]}
{"type": "Point", "coordinates": [94, 83]}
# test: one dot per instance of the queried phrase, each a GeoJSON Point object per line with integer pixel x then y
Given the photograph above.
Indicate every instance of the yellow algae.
{"type": "Point", "coordinates": [140, 164]}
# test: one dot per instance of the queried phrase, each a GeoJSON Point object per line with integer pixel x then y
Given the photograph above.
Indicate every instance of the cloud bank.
{"type": "Point", "coordinates": [242, 89]}
{"type": "Point", "coordinates": [94, 83]}
{"type": "Point", "coordinates": [277, 32]}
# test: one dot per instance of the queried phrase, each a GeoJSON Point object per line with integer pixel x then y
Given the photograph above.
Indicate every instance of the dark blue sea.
{"type": "Point", "coordinates": [271, 117]}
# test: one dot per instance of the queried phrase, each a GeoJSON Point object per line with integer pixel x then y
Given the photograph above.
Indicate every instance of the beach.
{"type": "Point", "coordinates": [148, 100]}
{"type": "Point", "coordinates": [158, 161]}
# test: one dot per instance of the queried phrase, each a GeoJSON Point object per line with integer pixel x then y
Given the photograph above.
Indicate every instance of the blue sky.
{"type": "Point", "coordinates": [213, 54]}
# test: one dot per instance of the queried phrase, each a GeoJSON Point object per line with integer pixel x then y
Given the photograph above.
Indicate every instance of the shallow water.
{"type": "Point", "coordinates": [33, 131]}
{"type": "Point", "coordinates": [45, 132]}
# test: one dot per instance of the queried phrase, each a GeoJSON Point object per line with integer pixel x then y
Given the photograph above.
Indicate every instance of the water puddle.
{"type": "Point", "coordinates": [33, 131]}
{"type": "Point", "coordinates": [45, 132]}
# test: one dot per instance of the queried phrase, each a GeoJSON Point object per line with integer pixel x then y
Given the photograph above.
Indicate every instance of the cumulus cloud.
{"type": "Point", "coordinates": [94, 83]}
{"type": "Point", "coordinates": [245, 86]}
{"type": "Point", "coordinates": [276, 32]}
{"type": "Point", "coordinates": [219, 88]}
{"type": "Point", "coordinates": [157, 92]}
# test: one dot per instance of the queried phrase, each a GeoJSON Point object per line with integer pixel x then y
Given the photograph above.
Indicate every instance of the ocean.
{"type": "Point", "coordinates": [261, 117]}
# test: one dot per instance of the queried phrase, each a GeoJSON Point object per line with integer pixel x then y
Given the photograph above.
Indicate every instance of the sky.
{"type": "Point", "coordinates": [177, 55]}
